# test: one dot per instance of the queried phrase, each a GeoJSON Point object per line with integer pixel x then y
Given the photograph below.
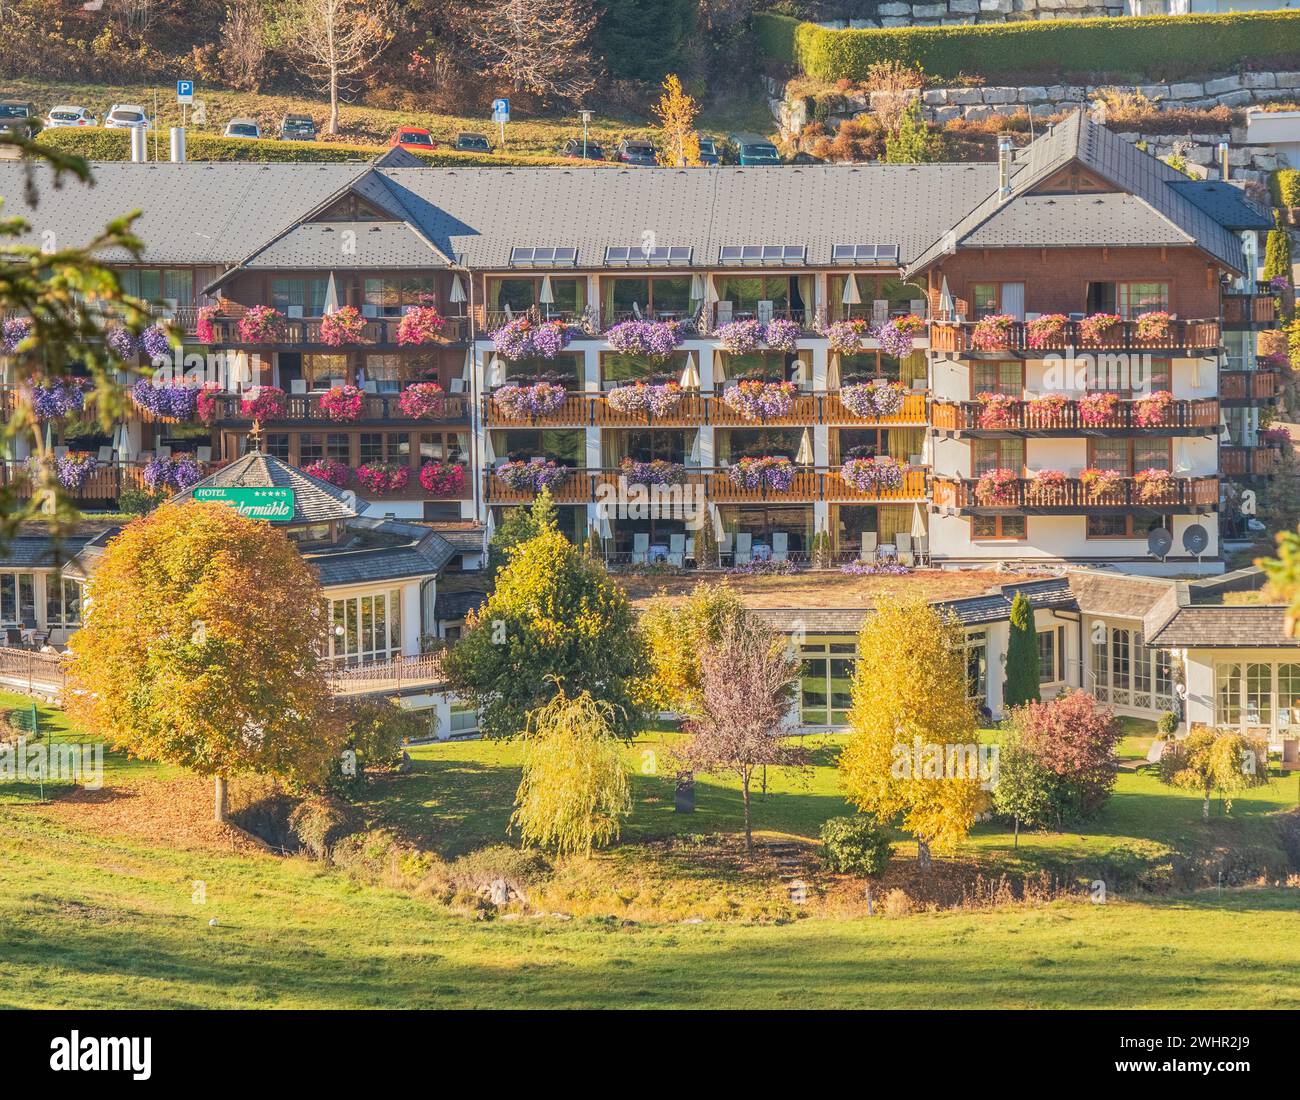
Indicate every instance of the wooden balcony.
{"type": "Point", "coordinates": [1186, 495]}
{"type": "Point", "coordinates": [714, 484]}
{"type": "Point", "coordinates": [954, 338]}
{"type": "Point", "coordinates": [303, 334]}
{"type": "Point", "coordinates": [582, 409]}
{"type": "Point", "coordinates": [386, 677]}
{"type": "Point", "coordinates": [1246, 387]}
{"type": "Point", "coordinates": [376, 409]}
{"type": "Point", "coordinates": [105, 483]}
{"type": "Point", "coordinates": [958, 418]}
{"type": "Point", "coordinates": [1247, 461]}
{"type": "Point", "coordinates": [1249, 309]}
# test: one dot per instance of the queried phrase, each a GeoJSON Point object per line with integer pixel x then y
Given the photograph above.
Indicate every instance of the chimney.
{"type": "Point", "coordinates": [178, 144]}
{"type": "Point", "coordinates": [1004, 168]}
{"type": "Point", "coordinates": [1223, 158]}
{"type": "Point", "coordinates": [139, 145]}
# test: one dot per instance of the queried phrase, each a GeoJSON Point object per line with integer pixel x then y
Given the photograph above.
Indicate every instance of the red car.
{"type": "Point", "coordinates": [412, 139]}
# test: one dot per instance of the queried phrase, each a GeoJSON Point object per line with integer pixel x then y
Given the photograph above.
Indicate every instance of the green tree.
{"type": "Point", "coordinates": [574, 790]}
{"type": "Point", "coordinates": [1023, 789]}
{"type": "Point", "coordinates": [644, 40]}
{"type": "Point", "coordinates": [1209, 760]}
{"type": "Point", "coordinates": [857, 845]}
{"type": "Point", "coordinates": [677, 636]}
{"type": "Point", "coordinates": [555, 622]}
{"type": "Point", "coordinates": [374, 730]}
{"type": "Point", "coordinates": [520, 524]}
{"type": "Point", "coordinates": [915, 142]}
{"type": "Point", "coordinates": [1277, 252]}
{"type": "Point", "coordinates": [1021, 684]}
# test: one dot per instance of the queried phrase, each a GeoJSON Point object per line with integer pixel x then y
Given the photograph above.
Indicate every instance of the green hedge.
{"type": "Point", "coordinates": [1014, 50]}
{"type": "Point", "coordinates": [1287, 191]}
{"type": "Point", "coordinates": [97, 144]}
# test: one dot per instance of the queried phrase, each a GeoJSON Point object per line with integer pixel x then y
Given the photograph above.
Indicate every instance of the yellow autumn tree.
{"type": "Point", "coordinates": [677, 633]}
{"type": "Point", "coordinates": [909, 708]}
{"type": "Point", "coordinates": [200, 649]}
{"type": "Point", "coordinates": [679, 143]}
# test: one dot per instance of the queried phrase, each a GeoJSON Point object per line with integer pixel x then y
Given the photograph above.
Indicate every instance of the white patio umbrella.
{"type": "Point", "coordinates": [605, 531]}
{"type": "Point", "coordinates": [697, 287]}
{"type": "Point", "coordinates": [457, 294]}
{"type": "Point", "coordinates": [833, 373]}
{"type": "Point", "coordinates": [489, 454]}
{"type": "Point", "coordinates": [547, 295]}
{"type": "Point", "coordinates": [710, 291]}
{"type": "Point", "coordinates": [496, 372]}
{"type": "Point", "coordinates": [695, 450]}
{"type": "Point", "coordinates": [946, 305]}
{"type": "Point", "coordinates": [490, 525]}
{"type": "Point", "coordinates": [690, 376]}
{"type": "Point", "coordinates": [918, 522]}
{"type": "Point", "coordinates": [851, 297]}
{"type": "Point", "coordinates": [805, 456]}
{"type": "Point", "coordinates": [331, 297]}
{"type": "Point", "coordinates": [719, 531]}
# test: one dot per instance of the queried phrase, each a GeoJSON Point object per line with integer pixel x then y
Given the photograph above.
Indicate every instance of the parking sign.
{"type": "Point", "coordinates": [501, 110]}
{"type": "Point", "coordinates": [184, 91]}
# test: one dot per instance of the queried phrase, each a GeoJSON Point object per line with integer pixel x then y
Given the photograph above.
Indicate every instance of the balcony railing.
{"type": "Point", "coordinates": [1249, 309]}
{"type": "Point", "coordinates": [375, 408]}
{"type": "Point", "coordinates": [1247, 461]}
{"type": "Point", "coordinates": [1197, 417]}
{"type": "Point", "coordinates": [955, 338]}
{"type": "Point", "coordinates": [1184, 494]}
{"type": "Point", "coordinates": [590, 409]}
{"type": "Point", "coordinates": [1246, 386]}
{"type": "Point", "coordinates": [104, 483]}
{"type": "Point", "coordinates": [385, 677]}
{"type": "Point", "coordinates": [583, 486]}
{"type": "Point", "coordinates": [299, 332]}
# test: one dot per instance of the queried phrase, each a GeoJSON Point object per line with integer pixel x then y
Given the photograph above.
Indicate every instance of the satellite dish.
{"type": "Point", "coordinates": [1159, 542]}
{"type": "Point", "coordinates": [1196, 539]}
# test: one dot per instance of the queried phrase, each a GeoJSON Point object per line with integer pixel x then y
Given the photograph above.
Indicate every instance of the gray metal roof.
{"type": "Point", "coordinates": [381, 550]}
{"type": "Point", "coordinates": [1172, 219]}
{"type": "Point", "coordinates": [42, 552]}
{"type": "Point", "coordinates": [1225, 202]}
{"type": "Point", "coordinates": [324, 244]}
{"type": "Point", "coordinates": [314, 500]}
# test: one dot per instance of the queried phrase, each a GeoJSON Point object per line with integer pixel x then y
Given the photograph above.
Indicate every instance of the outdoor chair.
{"type": "Point", "coordinates": [13, 637]}
{"type": "Point", "coordinates": [677, 550]}
{"type": "Point", "coordinates": [724, 313]}
{"type": "Point", "coordinates": [640, 548]}
{"type": "Point", "coordinates": [869, 539]}
{"type": "Point", "coordinates": [744, 548]}
{"type": "Point", "coordinates": [903, 541]}
{"type": "Point", "coordinates": [923, 549]}
{"type": "Point", "coordinates": [780, 546]}
{"type": "Point", "coordinates": [203, 454]}
{"type": "Point", "coordinates": [298, 385]}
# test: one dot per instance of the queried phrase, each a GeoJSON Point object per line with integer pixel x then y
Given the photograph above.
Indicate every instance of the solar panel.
{"type": "Point", "coordinates": [762, 253]}
{"type": "Point", "coordinates": [525, 257]}
{"type": "Point", "coordinates": [864, 254]}
{"type": "Point", "coordinates": [634, 254]}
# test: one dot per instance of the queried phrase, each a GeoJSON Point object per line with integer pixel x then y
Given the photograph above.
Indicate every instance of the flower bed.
{"type": "Point", "coordinates": [774, 471]}
{"type": "Point", "coordinates": [423, 401]}
{"type": "Point", "coordinates": [166, 401]}
{"type": "Point", "coordinates": [331, 470]}
{"type": "Point", "coordinates": [1153, 410]}
{"type": "Point", "coordinates": [1098, 327]}
{"type": "Point", "coordinates": [657, 339]}
{"type": "Point", "coordinates": [343, 403]}
{"type": "Point", "coordinates": [532, 476]}
{"type": "Point", "coordinates": [522, 402]}
{"type": "Point", "coordinates": [997, 488]}
{"type": "Point", "coordinates": [13, 333]}
{"type": "Point", "coordinates": [846, 337]}
{"type": "Point", "coordinates": [74, 469]}
{"type": "Point", "coordinates": [1154, 485]}
{"type": "Point", "coordinates": [656, 472]}
{"type": "Point", "coordinates": [442, 479]}
{"type": "Point", "coordinates": [1098, 409]}
{"type": "Point", "coordinates": [876, 569]}
{"type": "Point", "coordinates": [420, 325]}
{"type": "Point", "coordinates": [872, 475]}
{"type": "Point", "coordinates": [1100, 483]}
{"type": "Point", "coordinates": [896, 335]}
{"type": "Point", "coordinates": [781, 334]}
{"type": "Point", "coordinates": [997, 410]}
{"type": "Point", "coordinates": [171, 473]}
{"type": "Point", "coordinates": [1047, 331]}
{"type": "Point", "coordinates": [55, 400]}
{"type": "Point", "coordinates": [264, 403]}
{"type": "Point", "coordinates": [383, 477]}
{"type": "Point", "coordinates": [755, 399]}
{"type": "Point", "coordinates": [1047, 487]}
{"type": "Point", "coordinates": [992, 333]}
{"type": "Point", "coordinates": [262, 325]}
{"type": "Point", "coordinates": [343, 326]}
{"type": "Point", "coordinates": [879, 398]}
{"type": "Point", "coordinates": [648, 399]}
{"type": "Point", "coordinates": [1154, 325]}
{"type": "Point", "coordinates": [739, 337]}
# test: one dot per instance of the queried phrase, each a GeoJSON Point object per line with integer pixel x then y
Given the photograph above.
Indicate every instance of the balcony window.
{"type": "Point", "coordinates": [826, 681]}
{"type": "Point", "coordinates": [522, 293]}
{"type": "Point", "coordinates": [990, 299]}
{"type": "Point", "coordinates": [315, 446]}
{"type": "Point", "coordinates": [860, 365]}
{"type": "Point", "coordinates": [997, 454]}
{"type": "Point", "coordinates": [1051, 655]}
{"type": "Point", "coordinates": [443, 446]}
{"type": "Point", "coordinates": [1129, 375]}
{"type": "Point", "coordinates": [299, 297]}
{"type": "Point", "coordinates": [735, 443]}
{"type": "Point", "coordinates": [366, 628]}
{"type": "Point", "coordinates": [772, 365]}
{"type": "Point", "coordinates": [901, 443]}
{"type": "Point", "coordinates": [644, 445]}
{"type": "Point", "coordinates": [1128, 456]}
{"type": "Point", "coordinates": [617, 367]}
{"type": "Point", "coordinates": [391, 297]}
{"type": "Point", "coordinates": [567, 446]}
{"type": "Point", "coordinates": [668, 297]}
{"type": "Point", "coordinates": [750, 295]}
{"type": "Point", "coordinates": [394, 447]}
{"type": "Point", "coordinates": [1007, 379]}
{"type": "Point", "coordinates": [760, 522]}
{"type": "Point", "coordinates": [976, 652]}
{"type": "Point", "coordinates": [565, 369]}
{"type": "Point", "coordinates": [882, 296]}
{"type": "Point", "coordinates": [158, 285]}
{"type": "Point", "coordinates": [1127, 299]}
{"type": "Point", "coordinates": [276, 444]}
{"type": "Point", "coordinates": [323, 372]}
{"type": "Point", "coordinates": [62, 602]}
{"type": "Point", "coordinates": [386, 372]}
{"type": "Point", "coordinates": [1131, 525]}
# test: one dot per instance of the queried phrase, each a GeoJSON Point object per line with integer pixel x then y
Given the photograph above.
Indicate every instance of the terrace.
{"type": "Point", "coordinates": [1249, 309]}
{"type": "Point", "coordinates": [304, 334]}
{"type": "Point", "coordinates": [375, 409]}
{"type": "Point", "coordinates": [1074, 496]}
{"type": "Point", "coordinates": [959, 338]}
{"type": "Point", "coordinates": [1247, 461]}
{"type": "Point", "coordinates": [104, 483]}
{"type": "Point", "coordinates": [1246, 387]}
{"type": "Point", "coordinates": [958, 418]}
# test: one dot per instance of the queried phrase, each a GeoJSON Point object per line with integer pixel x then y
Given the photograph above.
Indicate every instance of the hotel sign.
{"type": "Point", "coordinates": [270, 503]}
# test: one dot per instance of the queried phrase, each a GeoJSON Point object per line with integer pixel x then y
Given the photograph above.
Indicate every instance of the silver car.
{"type": "Point", "coordinates": [126, 116]}
{"type": "Point", "coordinates": [68, 114]}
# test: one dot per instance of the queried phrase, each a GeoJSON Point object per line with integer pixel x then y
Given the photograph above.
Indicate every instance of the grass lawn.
{"type": "Point", "coordinates": [358, 123]}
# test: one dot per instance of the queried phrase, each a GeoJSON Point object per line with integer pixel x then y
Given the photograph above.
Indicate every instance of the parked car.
{"type": "Point", "coordinates": [574, 148]}
{"type": "Point", "coordinates": [752, 150]}
{"type": "Point", "coordinates": [19, 117]}
{"type": "Point", "coordinates": [242, 128]}
{"type": "Point", "coordinates": [806, 158]}
{"type": "Point", "coordinates": [126, 116]}
{"type": "Point", "coordinates": [472, 143]}
{"type": "Point", "coordinates": [69, 115]}
{"type": "Point", "coordinates": [297, 128]}
{"type": "Point", "coordinates": [710, 156]}
{"type": "Point", "coordinates": [413, 139]}
{"type": "Point", "coordinates": [636, 152]}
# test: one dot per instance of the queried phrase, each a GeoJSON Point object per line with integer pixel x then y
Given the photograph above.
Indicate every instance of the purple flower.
{"type": "Point", "coordinates": [894, 340]}
{"type": "Point", "coordinates": [524, 339]}
{"type": "Point", "coordinates": [739, 337]}
{"type": "Point", "coordinates": [154, 343]}
{"type": "Point", "coordinates": [74, 469]}
{"type": "Point", "coordinates": [657, 339]}
{"type": "Point", "coordinates": [524, 402]}
{"type": "Point", "coordinates": [550, 339]}
{"type": "Point", "coordinates": [121, 343]}
{"type": "Point", "coordinates": [171, 473]}
{"type": "Point", "coordinates": [55, 400]}
{"type": "Point", "coordinates": [14, 332]}
{"type": "Point", "coordinates": [781, 334]}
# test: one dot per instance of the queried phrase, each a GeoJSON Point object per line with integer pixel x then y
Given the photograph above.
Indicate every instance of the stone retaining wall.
{"type": "Point", "coordinates": [899, 13]}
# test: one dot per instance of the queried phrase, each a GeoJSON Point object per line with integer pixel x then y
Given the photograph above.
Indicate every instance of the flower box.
{"type": "Point", "coordinates": [1154, 325]}
{"type": "Point", "coordinates": [656, 472]}
{"type": "Point", "coordinates": [442, 479]}
{"type": "Point", "coordinates": [343, 326]}
{"type": "Point", "coordinates": [998, 488]}
{"type": "Point", "coordinates": [74, 469]}
{"type": "Point", "coordinates": [755, 399]}
{"type": "Point", "coordinates": [57, 399]}
{"type": "Point", "coordinates": [167, 401]}
{"type": "Point", "coordinates": [204, 332]}
{"type": "Point", "coordinates": [343, 403]}
{"type": "Point", "coordinates": [1099, 327]}
{"type": "Point", "coordinates": [1098, 410]}
{"type": "Point", "coordinates": [523, 402]}
{"type": "Point", "coordinates": [420, 325]}
{"type": "Point", "coordinates": [264, 403]}
{"type": "Point", "coordinates": [739, 337]}
{"type": "Point", "coordinates": [1048, 410]}
{"type": "Point", "coordinates": [656, 339]}
{"type": "Point", "coordinates": [523, 338]}
{"type": "Point", "coordinates": [262, 325]}
{"type": "Point", "coordinates": [1047, 487]}
{"type": "Point", "coordinates": [872, 400]}
{"type": "Point", "coordinates": [1047, 331]}
{"type": "Point", "coordinates": [330, 470]}
{"type": "Point", "coordinates": [1100, 484]}
{"type": "Point", "coordinates": [997, 410]}
{"type": "Point", "coordinates": [992, 333]}
{"type": "Point", "coordinates": [873, 475]}
{"type": "Point", "coordinates": [1154, 485]}
{"type": "Point", "coordinates": [773, 471]}
{"type": "Point", "coordinates": [382, 478]}
{"type": "Point", "coordinates": [845, 337]}
{"type": "Point", "coordinates": [171, 473]}
{"type": "Point", "coordinates": [1153, 410]}
{"type": "Point", "coordinates": [896, 335]}
{"type": "Point", "coordinates": [423, 400]}
{"type": "Point", "coordinates": [531, 476]}
{"type": "Point", "coordinates": [781, 334]}
{"type": "Point", "coordinates": [648, 399]}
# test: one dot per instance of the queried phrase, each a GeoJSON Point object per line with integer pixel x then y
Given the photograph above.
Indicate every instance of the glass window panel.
{"type": "Point", "coordinates": [1259, 695]}
{"type": "Point", "coordinates": [1227, 693]}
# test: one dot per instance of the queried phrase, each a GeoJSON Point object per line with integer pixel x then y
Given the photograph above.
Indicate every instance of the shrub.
{"type": "Point", "coordinates": [855, 845]}
{"type": "Point", "coordinates": [1287, 186]}
{"type": "Point", "coordinates": [320, 822]}
{"type": "Point", "coordinates": [1167, 724]}
{"type": "Point", "coordinates": [897, 904]}
{"type": "Point", "coordinates": [1014, 49]}
{"type": "Point", "coordinates": [139, 502]}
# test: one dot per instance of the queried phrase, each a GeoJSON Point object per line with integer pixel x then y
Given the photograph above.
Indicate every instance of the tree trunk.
{"type": "Point", "coordinates": [1017, 833]}
{"type": "Point", "coordinates": [1205, 807]}
{"type": "Point", "coordinates": [334, 102]}
{"type": "Point", "coordinates": [871, 909]}
{"type": "Point", "coordinates": [922, 854]}
{"type": "Point", "coordinates": [749, 835]}
{"type": "Point", "coordinates": [221, 805]}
